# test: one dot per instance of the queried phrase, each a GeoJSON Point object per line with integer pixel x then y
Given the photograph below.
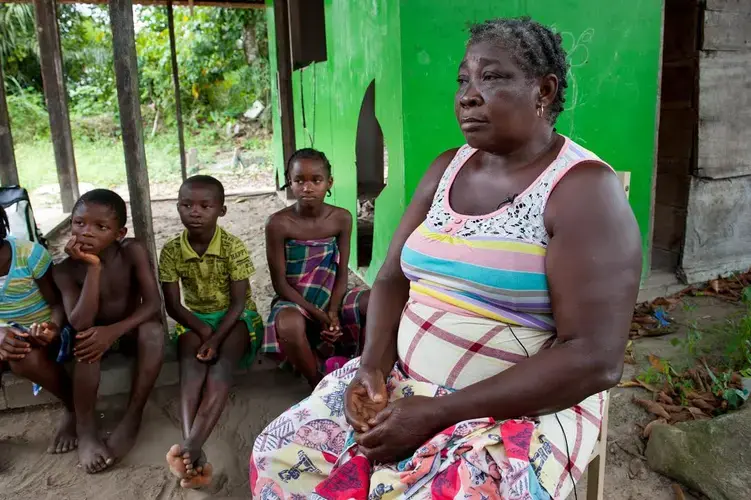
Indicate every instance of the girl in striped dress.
{"type": "Point", "coordinates": [31, 316]}
{"type": "Point", "coordinates": [498, 320]}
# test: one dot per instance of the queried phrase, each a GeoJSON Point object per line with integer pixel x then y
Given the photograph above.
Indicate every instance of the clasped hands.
{"type": "Point", "coordinates": [387, 432]}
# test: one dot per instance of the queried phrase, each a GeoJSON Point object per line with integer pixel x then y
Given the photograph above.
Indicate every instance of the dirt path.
{"type": "Point", "coordinates": [27, 472]}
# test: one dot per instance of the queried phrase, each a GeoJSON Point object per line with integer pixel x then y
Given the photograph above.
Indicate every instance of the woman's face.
{"type": "Point", "coordinates": [496, 104]}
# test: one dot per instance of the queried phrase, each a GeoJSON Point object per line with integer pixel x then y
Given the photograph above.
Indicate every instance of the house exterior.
{"type": "Point", "coordinates": [378, 91]}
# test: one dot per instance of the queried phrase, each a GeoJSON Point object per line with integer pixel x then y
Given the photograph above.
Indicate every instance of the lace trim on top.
{"type": "Point", "coordinates": [523, 219]}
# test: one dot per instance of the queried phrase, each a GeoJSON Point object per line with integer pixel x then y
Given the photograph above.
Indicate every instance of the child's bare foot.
{"type": "Point", "coordinates": [204, 476]}
{"type": "Point", "coordinates": [191, 463]}
{"type": "Point", "coordinates": [65, 439]}
{"type": "Point", "coordinates": [175, 461]}
{"type": "Point", "coordinates": [92, 453]}
{"type": "Point", "coordinates": [124, 436]}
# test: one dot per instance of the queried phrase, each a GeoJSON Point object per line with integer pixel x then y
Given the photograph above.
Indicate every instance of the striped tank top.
{"type": "Point", "coordinates": [21, 301]}
{"type": "Point", "coordinates": [490, 265]}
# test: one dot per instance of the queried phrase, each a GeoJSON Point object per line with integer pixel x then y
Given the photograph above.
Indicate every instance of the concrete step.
{"type": "Point", "coordinates": [117, 373]}
{"type": "Point", "coordinates": [660, 284]}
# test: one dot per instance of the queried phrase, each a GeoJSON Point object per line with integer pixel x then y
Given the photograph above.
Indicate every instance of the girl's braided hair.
{"type": "Point", "coordinates": [305, 154]}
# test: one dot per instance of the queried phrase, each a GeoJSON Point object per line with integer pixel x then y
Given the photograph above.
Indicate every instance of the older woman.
{"type": "Point", "coordinates": [498, 320]}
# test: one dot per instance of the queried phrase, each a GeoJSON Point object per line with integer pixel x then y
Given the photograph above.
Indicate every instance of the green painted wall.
{"type": "Point", "coordinates": [362, 46]}
{"type": "Point", "coordinates": [412, 48]}
{"type": "Point", "coordinates": [277, 152]}
{"type": "Point", "coordinates": [611, 103]}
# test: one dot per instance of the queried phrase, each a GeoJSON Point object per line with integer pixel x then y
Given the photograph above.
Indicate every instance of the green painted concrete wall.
{"type": "Point", "coordinates": [362, 46]}
{"type": "Point", "coordinates": [412, 48]}
{"type": "Point", "coordinates": [611, 103]}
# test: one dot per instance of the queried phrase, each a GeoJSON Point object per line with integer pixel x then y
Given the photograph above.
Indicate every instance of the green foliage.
{"type": "Point", "coordinates": [223, 67]}
{"type": "Point", "coordinates": [721, 387]}
{"type": "Point", "coordinates": [222, 58]}
{"type": "Point", "coordinates": [692, 342]}
{"type": "Point", "coordinates": [19, 51]}
{"type": "Point", "coordinates": [29, 116]}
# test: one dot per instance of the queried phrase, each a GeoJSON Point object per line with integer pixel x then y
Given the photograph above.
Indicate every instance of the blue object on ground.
{"type": "Point", "coordinates": [661, 317]}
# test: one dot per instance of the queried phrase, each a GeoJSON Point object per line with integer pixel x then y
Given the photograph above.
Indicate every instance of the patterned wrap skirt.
{"type": "Point", "coordinates": [309, 451]}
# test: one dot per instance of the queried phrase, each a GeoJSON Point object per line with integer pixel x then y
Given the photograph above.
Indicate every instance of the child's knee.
{"type": "Point", "coordinates": [151, 335]}
{"type": "Point", "coordinates": [222, 372]}
{"type": "Point", "coordinates": [290, 326]}
{"type": "Point", "coordinates": [30, 364]}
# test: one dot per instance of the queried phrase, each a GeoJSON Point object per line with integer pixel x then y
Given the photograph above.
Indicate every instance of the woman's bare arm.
{"type": "Point", "coordinates": [391, 288]}
{"type": "Point", "coordinates": [593, 269]}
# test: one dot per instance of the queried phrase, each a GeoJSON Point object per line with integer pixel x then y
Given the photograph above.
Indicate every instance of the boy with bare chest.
{"type": "Point", "coordinates": [111, 296]}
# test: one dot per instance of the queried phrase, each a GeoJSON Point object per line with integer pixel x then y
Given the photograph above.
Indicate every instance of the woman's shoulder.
{"type": "Point", "coordinates": [440, 165]}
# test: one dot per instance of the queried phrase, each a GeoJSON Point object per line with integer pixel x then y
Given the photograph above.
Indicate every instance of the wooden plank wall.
{"type": "Point", "coordinates": [718, 224]}
{"type": "Point", "coordinates": [676, 151]}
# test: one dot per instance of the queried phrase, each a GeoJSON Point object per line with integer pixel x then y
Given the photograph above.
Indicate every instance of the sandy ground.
{"type": "Point", "coordinates": [27, 472]}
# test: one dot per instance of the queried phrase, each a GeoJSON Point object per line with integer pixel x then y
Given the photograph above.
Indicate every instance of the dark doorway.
{"type": "Point", "coordinates": [372, 167]}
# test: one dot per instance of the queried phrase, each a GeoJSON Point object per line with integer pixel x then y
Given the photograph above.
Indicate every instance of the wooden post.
{"type": "Point", "coordinates": [176, 83]}
{"type": "Point", "coordinates": [131, 124]}
{"type": "Point", "coordinates": [8, 170]}
{"type": "Point", "coordinates": [284, 76]}
{"type": "Point", "coordinates": [53, 78]}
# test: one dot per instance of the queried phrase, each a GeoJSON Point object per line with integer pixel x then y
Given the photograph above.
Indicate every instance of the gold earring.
{"type": "Point", "coordinates": [540, 111]}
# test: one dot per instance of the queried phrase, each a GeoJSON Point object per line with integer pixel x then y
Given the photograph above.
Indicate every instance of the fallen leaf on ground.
{"type": "Point", "coordinates": [644, 319]}
{"type": "Point", "coordinates": [656, 363]}
{"type": "Point", "coordinates": [664, 398]}
{"type": "Point", "coordinates": [672, 408]}
{"type": "Point", "coordinates": [700, 403]}
{"type": "Point", "coordinates": [630, 383]}
{"type": "Point", "coordinates": [653, 407]}
{"type": "Point", "coordinates": [649, 387]}
{"type": "Point", "coordinates": [678, 492]}
{"type": "Point", "coordinates": [682, 416]}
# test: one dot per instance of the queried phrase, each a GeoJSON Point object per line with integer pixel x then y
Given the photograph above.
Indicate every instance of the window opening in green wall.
{"type": "Point", "coordinates": [371, 159]}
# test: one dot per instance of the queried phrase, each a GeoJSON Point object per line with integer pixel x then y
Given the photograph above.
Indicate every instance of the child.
{"type": "Point", "coordinates": [29, 301]}
{"type": "Point", "coordinates": [307, 246]}
{"type": "Point", "coordinates": [111, 297]}
{"type": "Point", "coordinates": [217, 325]}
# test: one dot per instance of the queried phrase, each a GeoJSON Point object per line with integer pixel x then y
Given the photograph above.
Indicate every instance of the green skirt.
{"type": "Point", "coordinates": [252, 321]}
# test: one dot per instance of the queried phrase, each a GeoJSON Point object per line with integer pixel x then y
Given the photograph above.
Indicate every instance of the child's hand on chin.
{"type": "Point", "coordinates": [73, 249]}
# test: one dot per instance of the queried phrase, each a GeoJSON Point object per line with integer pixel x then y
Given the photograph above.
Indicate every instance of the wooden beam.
{"type": "Point", "coordinates": [8, 170]}
{"type": "Point", "coordinates": [225, 4]}
{"type": "Point", "coordinates": [126, 76]}
{"type": "Point", "coordinates": [176, 84]}
{"type": "Point", "coordinates": [53, 78]}
{"type": "Point", "coordinates": [284, 76]}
